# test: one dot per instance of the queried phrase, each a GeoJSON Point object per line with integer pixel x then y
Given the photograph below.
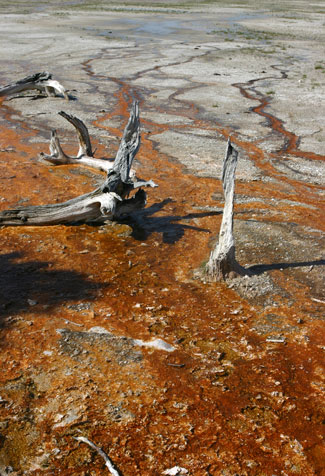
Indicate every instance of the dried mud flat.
{"type": "Point", "coordinates": [110, 332]}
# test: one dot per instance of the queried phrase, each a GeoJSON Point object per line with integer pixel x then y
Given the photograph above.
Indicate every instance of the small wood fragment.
{"type": "Point", "coordinates": [276, 340]}
{"type": "Point", "coordinates": [108, 463]}
{"type": "Point", "coordinates": [318, 300]}
{"type": "Point", "coordinates": [175, 471]}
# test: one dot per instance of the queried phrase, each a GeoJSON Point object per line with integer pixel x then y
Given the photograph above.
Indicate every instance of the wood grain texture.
{"type": "Point", "coordinates": [222, 260]}
{"type": "Point", "coordinates": [107, 202]}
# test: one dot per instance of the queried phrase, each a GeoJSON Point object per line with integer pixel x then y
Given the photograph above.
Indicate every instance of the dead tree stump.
{"type": "Point", "coordinates": [222, 263]}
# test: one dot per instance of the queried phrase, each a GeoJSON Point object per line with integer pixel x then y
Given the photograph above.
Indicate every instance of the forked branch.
{"type": "Point", "coordinates": [129, 146]}
{"type": "Point", "coordinates": [222, 260]}
{"type": "Point", "coordinates": [107, 202]}
{"type": "Point", "coordinates": [85, 154]}
{"type": "Point", "coordinates": [42, 82]}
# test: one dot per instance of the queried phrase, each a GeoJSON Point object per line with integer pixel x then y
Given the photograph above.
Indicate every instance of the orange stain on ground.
{"type": "Point", "coordinates": [226, 401]}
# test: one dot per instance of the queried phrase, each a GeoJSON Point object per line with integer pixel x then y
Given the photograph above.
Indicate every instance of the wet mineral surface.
{"type": "Point", "coordinates": [113, 332]}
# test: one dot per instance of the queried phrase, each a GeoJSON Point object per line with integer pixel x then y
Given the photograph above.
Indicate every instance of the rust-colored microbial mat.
{"type": "Point", "coordinates": [111, 332]}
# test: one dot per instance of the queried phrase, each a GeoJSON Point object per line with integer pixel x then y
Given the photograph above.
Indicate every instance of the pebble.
{"type": "Point", "coordinates": [175, 471]}
{"type": "Point", "coordinates": [98, 330]}
{"type": "Point", "coordinates": [156, 344]}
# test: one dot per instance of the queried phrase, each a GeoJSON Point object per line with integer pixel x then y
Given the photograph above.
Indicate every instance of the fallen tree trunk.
{"type": "Point", "coordinates": [95, 206]}
{"type": "Point", "coordinates": [42, 82]}
{"type": "Point", "coordinates": [108, 202]}
{"type": "Point", "coordinates": [222, 263]}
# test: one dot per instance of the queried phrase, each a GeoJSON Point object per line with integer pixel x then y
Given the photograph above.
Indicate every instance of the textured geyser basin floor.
{"type": "Point", "coordinates": [110, 332]}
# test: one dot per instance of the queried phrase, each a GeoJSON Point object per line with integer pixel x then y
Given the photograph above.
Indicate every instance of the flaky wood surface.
{"type": "Point", "coordinates": [106, 202]}
{"type": "Point", "coordinates": [222, 259]}
{"type": "Point", "coordinates": [83, 208]}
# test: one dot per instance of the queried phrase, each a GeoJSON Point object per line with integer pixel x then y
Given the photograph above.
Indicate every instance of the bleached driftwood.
{"type": "Point", "coordinates": [108, 202]}
{"type": "Point", "coordinates": [108, 463]}
{"type": "Point", "coordinates": [222, 260]}
{"type": "Point", "coordinates": [85, 154]}
{"type": "Point", "coordinates": [42, 82]}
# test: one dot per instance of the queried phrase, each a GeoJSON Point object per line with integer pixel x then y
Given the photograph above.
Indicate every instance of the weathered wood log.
{"type": "Point", "coordinates": [222, 262]}
{"type": "Point", "coordinates": [42, 82]}
{"type": "Point", "coordinates": [108, 202]}
{"type": "Point", "coordinates": [85, 154]}
{"type": "Point", "coordinates": [91, 207]}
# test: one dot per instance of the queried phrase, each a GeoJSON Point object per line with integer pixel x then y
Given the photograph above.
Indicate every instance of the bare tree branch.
{"type": "Point", "coordinates": [129, 144]}
{"type": "Point", "coordinates": [109, 465]}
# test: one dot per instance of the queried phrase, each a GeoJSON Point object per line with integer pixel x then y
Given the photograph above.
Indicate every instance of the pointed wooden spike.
{"type": "Point", "coordinates": [83, 134]}
{"type": "Point", "coordinates": [129, 145]}
{"type": "Point", "coordinates": [57, 157]}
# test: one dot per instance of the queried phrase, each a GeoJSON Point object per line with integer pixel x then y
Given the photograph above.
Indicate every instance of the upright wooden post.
{"type": "Point", "coordinates": [222, 262]}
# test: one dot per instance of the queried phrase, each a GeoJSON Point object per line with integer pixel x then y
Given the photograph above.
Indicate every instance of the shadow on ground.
{"type": "Point", "coordinates": [143, 223]}
{"type": "Point", "coordinates": [26, 284]}
{"type": "Point", "coordinates": [262, 268]}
